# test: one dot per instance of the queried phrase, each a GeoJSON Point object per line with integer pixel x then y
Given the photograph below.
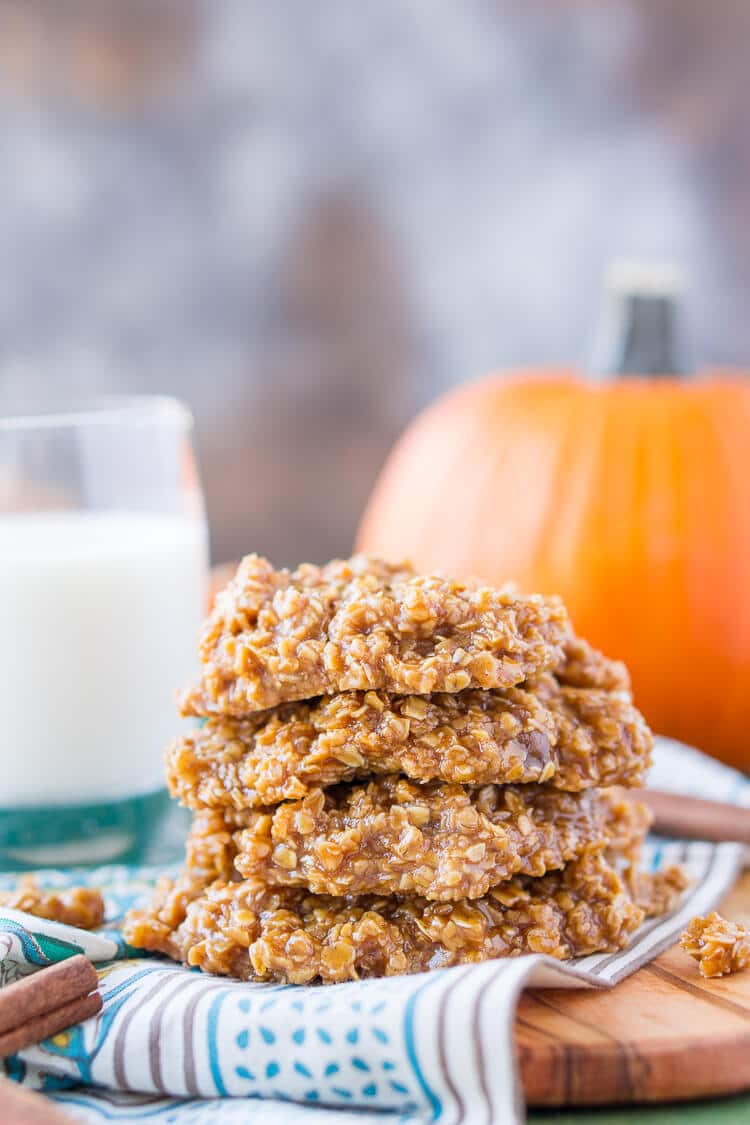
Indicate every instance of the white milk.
{"type": "Point", "coordinates": [99, 617]}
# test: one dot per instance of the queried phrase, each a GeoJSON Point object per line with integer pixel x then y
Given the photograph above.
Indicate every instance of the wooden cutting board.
{"type": "Point", "coordinates": [663, 1034]}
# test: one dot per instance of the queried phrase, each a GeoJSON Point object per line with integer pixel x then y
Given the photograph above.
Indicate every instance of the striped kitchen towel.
{"type": "Point", "coordinates": [183, 1047]}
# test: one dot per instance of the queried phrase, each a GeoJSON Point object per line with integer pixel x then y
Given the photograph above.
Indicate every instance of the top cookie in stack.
{"type": "Point", "coordinates": [372, 732]}
{"type": "Point", "coordinates": [276, 636]}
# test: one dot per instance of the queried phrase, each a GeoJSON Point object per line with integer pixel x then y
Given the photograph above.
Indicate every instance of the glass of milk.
{"type": "Point", "coordinates": [103, 570]}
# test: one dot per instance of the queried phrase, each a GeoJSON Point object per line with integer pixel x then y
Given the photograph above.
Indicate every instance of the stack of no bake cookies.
{"type": "Point", "coordinates": [399, 772]}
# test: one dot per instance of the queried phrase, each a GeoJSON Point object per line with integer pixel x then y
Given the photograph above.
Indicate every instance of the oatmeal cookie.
{"type": "Point", "coordinates": [571, 738]}
{"type": "Point", "coordinates": [253, 932]}
{"type": "Point", "coordinates": [392, 836]}
{"type": "Point", "coordinates": [276, 636]}
{"type": "Point", "coordinates": [583, 666]}
{"type": "Point", "coordinates": [74, 906]}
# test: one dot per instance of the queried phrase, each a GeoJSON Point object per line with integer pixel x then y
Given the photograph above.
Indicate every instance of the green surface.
{"type": "Point", "coordinates": [148, 829]}
{"type": "Point", "coordinates": [723, 1111]}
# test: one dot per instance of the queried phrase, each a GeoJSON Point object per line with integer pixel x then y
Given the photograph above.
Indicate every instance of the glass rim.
{"type": "Point", "coordinates": [100, 410]}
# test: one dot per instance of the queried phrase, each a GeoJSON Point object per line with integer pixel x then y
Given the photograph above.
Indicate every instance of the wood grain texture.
{"type": "Point", "coordinates": [663, 1034]}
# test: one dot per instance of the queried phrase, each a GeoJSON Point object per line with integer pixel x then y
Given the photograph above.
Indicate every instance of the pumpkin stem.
{"type": "Point", "coordinates": [641, 330]}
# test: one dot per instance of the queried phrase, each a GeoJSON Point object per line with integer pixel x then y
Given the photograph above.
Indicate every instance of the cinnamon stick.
{"type": "Point", "coordinates": [19, 1106]}
{"type": "Point", "coordinates": [45, 990]}
{"type": "Point", "coordinates": [50, 1023]}
{"type": "Point", "coordinates": [695, 818]}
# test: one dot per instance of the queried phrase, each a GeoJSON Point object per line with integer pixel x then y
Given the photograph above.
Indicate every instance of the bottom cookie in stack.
{"type": "Point", "coordinates": [251, 929]}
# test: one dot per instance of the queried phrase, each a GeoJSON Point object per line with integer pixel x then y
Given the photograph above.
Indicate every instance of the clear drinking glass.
{"type": "Point", "coordinates": [103, 572]}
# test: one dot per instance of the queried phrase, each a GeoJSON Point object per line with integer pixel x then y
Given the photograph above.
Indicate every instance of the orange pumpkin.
{"type": "Point", "coordinates": [631, 498]}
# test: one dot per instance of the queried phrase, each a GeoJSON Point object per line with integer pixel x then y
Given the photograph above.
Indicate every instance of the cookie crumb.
{"type": "Point", "coordinates": [74, 906]}
{"type": "Point", "coordinates": [719, 946]}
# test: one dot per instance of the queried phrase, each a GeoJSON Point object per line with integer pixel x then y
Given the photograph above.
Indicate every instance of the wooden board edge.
{"type": "Point", "coordinates": [558, 1074]}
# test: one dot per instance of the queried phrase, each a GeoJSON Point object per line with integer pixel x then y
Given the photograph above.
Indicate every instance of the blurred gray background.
{"type": "Point", "coordinates": [308, 219]}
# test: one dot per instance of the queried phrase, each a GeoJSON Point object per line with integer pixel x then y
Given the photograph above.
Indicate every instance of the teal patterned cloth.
{"type": "Point", "coordinates": [176, 1045]}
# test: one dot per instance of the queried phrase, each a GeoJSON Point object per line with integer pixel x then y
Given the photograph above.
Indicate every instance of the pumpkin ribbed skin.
{"type": "Point", "coordinates": [630, 498]}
